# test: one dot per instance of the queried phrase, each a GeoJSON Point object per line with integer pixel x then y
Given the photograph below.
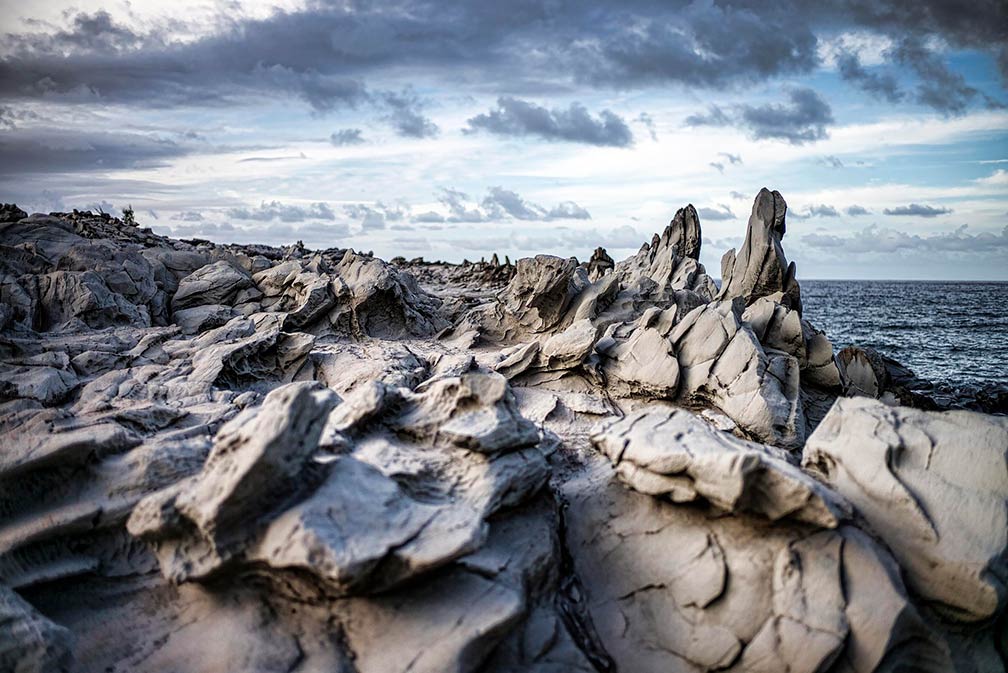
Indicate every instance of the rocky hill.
{"type": "Point", "coordinates": [250, 458]}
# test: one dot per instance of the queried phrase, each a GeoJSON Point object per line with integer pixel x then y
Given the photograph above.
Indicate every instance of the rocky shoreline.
{"type": "Point", "coordinates": [251, 458]}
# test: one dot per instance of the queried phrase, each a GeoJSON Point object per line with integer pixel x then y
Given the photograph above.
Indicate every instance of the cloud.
{"type": "Point", "coordinates": [939, 88]}
{"type": "Point", "coordinates": [802, 120]}
{"type": "Point", "coordinates": [500, 204]}
{"type": "Point", "coordinates": [856, 211]}
{"type": "Point", "coordinates": [374, 217]}
{"type": "Point", "coordinates": [823, 211]}
{"type": "Point", "coordinates": [880, 85]}
{"type": "Point", "coordinates": [458, 208]}
{"type": "Point", "coordinates": [998, 178]}
{"type": "Point", "coordinates": [527, 47]}
{"type": "Point", "coordinates": [717, 165]}
{"type": "Point", "coordinates": [646, 119]}
{"type": "Point", "coordinates": [882, 240]}
{"type": "Point", "coordinates": [404, 114]}
{"type": "Point", "coordinates": [722, 212]}
{"type": "Point", "coordinates": [831, 161]}
{"type": "Point", "coordinates": [347, 137]}
{"type": "Point", "coordinates": [314, 234]}
{"type": "Point", "coordinates": [516, 117]}
{"type": "Point", "coordinates": [429, 216]}
{"type": "Point", "coordinates": [733, 159]}
{"type": "Point", "coordinates": [53, 150]}
{"type": "Point", "coordinates": [917, 210]}
{"type": "Point", "coordinates": [275, 210]}
{"type": "Point", "coordinates": [567, 210]}
{"type": "Point", "coordinates": [188, 216]}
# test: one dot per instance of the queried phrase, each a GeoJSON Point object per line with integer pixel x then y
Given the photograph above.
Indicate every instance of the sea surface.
{"type": "Point", "coordinates": [947, 332]}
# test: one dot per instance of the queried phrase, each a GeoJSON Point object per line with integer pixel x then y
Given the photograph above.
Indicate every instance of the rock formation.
{"type": "Point", "coordinates": [251, 458]}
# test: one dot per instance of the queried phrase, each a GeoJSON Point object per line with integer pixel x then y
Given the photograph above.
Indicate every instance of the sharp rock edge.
{"type": "Point", "coordinates": [244, 457]}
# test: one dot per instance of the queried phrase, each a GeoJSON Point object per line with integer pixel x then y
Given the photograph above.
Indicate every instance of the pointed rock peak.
{"type": "Point", "coordinates": [770, 208]}
{"type": "Point", "coordinates": [683, 233]}
{"type": "Point", "coordinates": [760, 268]}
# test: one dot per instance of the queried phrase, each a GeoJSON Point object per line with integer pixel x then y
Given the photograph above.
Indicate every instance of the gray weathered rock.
{"type": "Point", "coordinates": [254, 458]}
{"type": "Point", "coordinates": [714, 592]}
{"type": "Point", "coordinates": [759, 268]}
{"type": "Point", "coordinates": [934, 486]}
{"type": "Point", "coordinates": [217, 283]}
{"type": "Point", "coordinates": [670, 452]}
{"type": "Point", "coordinates": [723, 364]}
{"type": "Point", "coordinates": [30, 643]}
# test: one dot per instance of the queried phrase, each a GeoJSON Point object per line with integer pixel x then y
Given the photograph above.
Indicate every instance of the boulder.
{"type": "Point", "coordinates": [672, 587]}
{"type": "Point", "coordinates": [217, 283]}
{"type": "Point", "coordinates": [934, 487]}
{"type": "Point", "coordinates": [68, 298]}
{"type": "Point", "coordinates": [672, 453]}
{"type": "Point", "coordinates": [30, 643]}
{"type": "Point", "coordinates": [723, 364]}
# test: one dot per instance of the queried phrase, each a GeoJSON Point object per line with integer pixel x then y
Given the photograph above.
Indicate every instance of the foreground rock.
{"type": "Point", "coordinates": [934, 487]}
{"type": "Point", "coordinates": [250, 458]}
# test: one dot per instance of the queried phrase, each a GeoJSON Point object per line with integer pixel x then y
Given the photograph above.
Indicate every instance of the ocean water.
{"type": "Point", "coordinates": [947, 332]}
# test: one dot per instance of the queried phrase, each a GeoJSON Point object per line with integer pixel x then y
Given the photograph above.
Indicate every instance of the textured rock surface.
{"type": "Point", "coordinates": [934, 486]}
{"type": "Point", "coordinates": [759, 268]}
{"type": "Point", "coordinates": [253, 458]}
{"type": "Point", "coordinates": [670, 452]}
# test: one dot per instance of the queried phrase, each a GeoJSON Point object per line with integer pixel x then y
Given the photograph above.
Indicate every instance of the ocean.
{"type": "Point", "coordinates": [947, 332]}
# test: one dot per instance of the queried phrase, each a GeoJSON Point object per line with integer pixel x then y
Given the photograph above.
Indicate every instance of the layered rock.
{"type": "Point", "coordinates": [759, 268]}
{"type": "Point", "coordinates": [278, 448]}
{"type": "Point", "coordinates": [934, 487]}
{"type": "Point", "coordinates": [716, 592]}
{"type": "Point", "coordinates": [670, 452]}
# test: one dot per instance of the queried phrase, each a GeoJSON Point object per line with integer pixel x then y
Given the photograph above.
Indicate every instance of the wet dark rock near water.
{"type": "Point", "coordinates": [254, 458]}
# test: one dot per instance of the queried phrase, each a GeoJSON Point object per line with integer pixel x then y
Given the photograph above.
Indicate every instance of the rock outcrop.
{"type": "Point", "coordinates": [934, 487]}
{"type": "Point", "coordinates": [255, 458]}
{"type": "Point", "coordinates": [759, 268]}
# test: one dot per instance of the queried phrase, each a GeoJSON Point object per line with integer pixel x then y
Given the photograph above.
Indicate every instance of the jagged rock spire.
{"type": "Point", "coordinates": [760, 268]}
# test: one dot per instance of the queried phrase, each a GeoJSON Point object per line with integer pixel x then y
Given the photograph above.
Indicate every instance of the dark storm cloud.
{"type": "Point", "coordinates": [880, 85]}
{"type": "Point", "coordinates": [325, 52]}
{"type": "Point", "coordinates": [275, 210]}
{"type": "Point", "coordinates": [939, 88]}
{"type": "Point", "coordinates": [917, 210]}
{"type": "Point", "coordinates": [856, 211]}
{"type": "Point", "coordinates": [405, 116]}
{"type": "Point", "coordinates": [347, 137]}
{"type": "Point", "coordinates": [516, 117]}
{"type": "Point", "coordinates": [53, 150]}
{"type": "Point", "coordinates": [881, 240]}
{"type": "Point", "coordinates": [803, 119]}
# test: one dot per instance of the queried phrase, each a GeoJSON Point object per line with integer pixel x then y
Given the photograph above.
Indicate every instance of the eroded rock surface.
{"type": "Point", "coordinates": [934, 487]}
{"type": "Point", "coordinates": [255, 458]}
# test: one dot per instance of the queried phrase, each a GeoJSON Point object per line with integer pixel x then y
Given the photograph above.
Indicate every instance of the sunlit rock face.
{"type": "Point", "coordinates": [246, 458]}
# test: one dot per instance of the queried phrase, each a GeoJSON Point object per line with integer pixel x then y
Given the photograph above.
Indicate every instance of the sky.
{"type": "Point", "coordinates": [453, 130]}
